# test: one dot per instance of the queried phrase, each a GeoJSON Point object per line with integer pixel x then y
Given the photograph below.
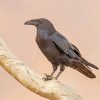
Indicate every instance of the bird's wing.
{"type": "Point", "coordinates": [75, 49]}
{"type": "Point", "coordinates": [64, 45]}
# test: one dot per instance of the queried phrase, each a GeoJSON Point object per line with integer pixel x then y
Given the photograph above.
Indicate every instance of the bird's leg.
{"type": "Point", "coordinates": [62, 68]}
{"type": "Point", "coordinates": [50, 77]}
{"type": "Point", "coordinates": [54, 69]}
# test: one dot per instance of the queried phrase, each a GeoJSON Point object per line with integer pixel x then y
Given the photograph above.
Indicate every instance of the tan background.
{"type": "Point", "coordinates": [78, 20]}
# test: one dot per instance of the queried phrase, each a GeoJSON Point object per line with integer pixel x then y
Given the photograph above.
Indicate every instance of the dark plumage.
{"type": "Point", "coordinates": [58, 50]}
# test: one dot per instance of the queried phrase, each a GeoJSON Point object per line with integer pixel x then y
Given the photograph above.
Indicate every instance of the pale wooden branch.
{"type": "Point", "coordinates": [52, 90]}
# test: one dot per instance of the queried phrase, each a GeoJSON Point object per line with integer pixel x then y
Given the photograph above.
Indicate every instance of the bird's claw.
{"type": "Point", "coordinates": [48, 77]}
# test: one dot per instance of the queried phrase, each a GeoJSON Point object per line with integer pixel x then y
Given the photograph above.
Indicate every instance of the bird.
{"type": "Point", "coordinates": [58, 50]}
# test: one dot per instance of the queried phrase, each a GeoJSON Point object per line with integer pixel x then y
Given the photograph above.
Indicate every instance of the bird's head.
{"type": "Point", "coordinates": [40, 23]}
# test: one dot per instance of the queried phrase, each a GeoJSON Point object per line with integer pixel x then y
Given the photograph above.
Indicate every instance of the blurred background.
{"type": "Point", "coordinates": [78, 20]}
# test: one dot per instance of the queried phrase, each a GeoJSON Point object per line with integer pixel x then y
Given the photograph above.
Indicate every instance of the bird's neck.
{"type": "Point", "coordinates": [47, 31]}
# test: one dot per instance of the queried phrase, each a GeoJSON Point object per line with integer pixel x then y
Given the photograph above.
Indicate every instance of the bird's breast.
{"type": "Point", "coordinates": [47, 47]}
{"type": "Point", "coordinates": [41, 40]}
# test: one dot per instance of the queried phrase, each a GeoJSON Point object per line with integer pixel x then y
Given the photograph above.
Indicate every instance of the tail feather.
{"type": "Point", "coordinates": [88, 63]}
{"type": "Point", "coordinates": [79, 66]}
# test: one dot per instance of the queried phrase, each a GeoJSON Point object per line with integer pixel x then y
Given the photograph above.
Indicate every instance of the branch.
{"type": "Point", "coordinates": [52, 89]}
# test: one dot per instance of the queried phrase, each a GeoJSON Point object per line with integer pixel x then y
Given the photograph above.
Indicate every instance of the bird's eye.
{"type": "Point", "coordinates": [40, 22]}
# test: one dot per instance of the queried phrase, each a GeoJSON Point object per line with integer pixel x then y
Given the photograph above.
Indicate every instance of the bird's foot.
{"type": "Point", "coordinates": [48, 77]}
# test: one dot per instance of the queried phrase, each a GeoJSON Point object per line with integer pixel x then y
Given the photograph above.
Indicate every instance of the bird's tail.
{"type": "Point", "coordinates": [88, 63]}
{"type": "Point", "coordinates": [82, 68]}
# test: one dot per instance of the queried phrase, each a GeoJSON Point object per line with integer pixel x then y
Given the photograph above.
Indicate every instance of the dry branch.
{"type": "Point", "coordinates": [52, 90]}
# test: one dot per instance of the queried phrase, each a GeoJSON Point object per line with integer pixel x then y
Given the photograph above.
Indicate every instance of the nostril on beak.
{"type": "Point", "coordinates": [31, 22]}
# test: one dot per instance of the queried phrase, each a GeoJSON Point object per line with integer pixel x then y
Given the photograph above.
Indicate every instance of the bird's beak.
{"type": "Point", "coordinates": [31, 22]}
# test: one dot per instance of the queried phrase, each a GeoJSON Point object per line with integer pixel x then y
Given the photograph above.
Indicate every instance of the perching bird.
{"type": "Point", "coordinates": [58, 50]}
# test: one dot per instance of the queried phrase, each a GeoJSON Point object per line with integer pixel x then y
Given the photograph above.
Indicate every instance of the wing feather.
{"type": "Point", "coordinates": [63, 44]}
